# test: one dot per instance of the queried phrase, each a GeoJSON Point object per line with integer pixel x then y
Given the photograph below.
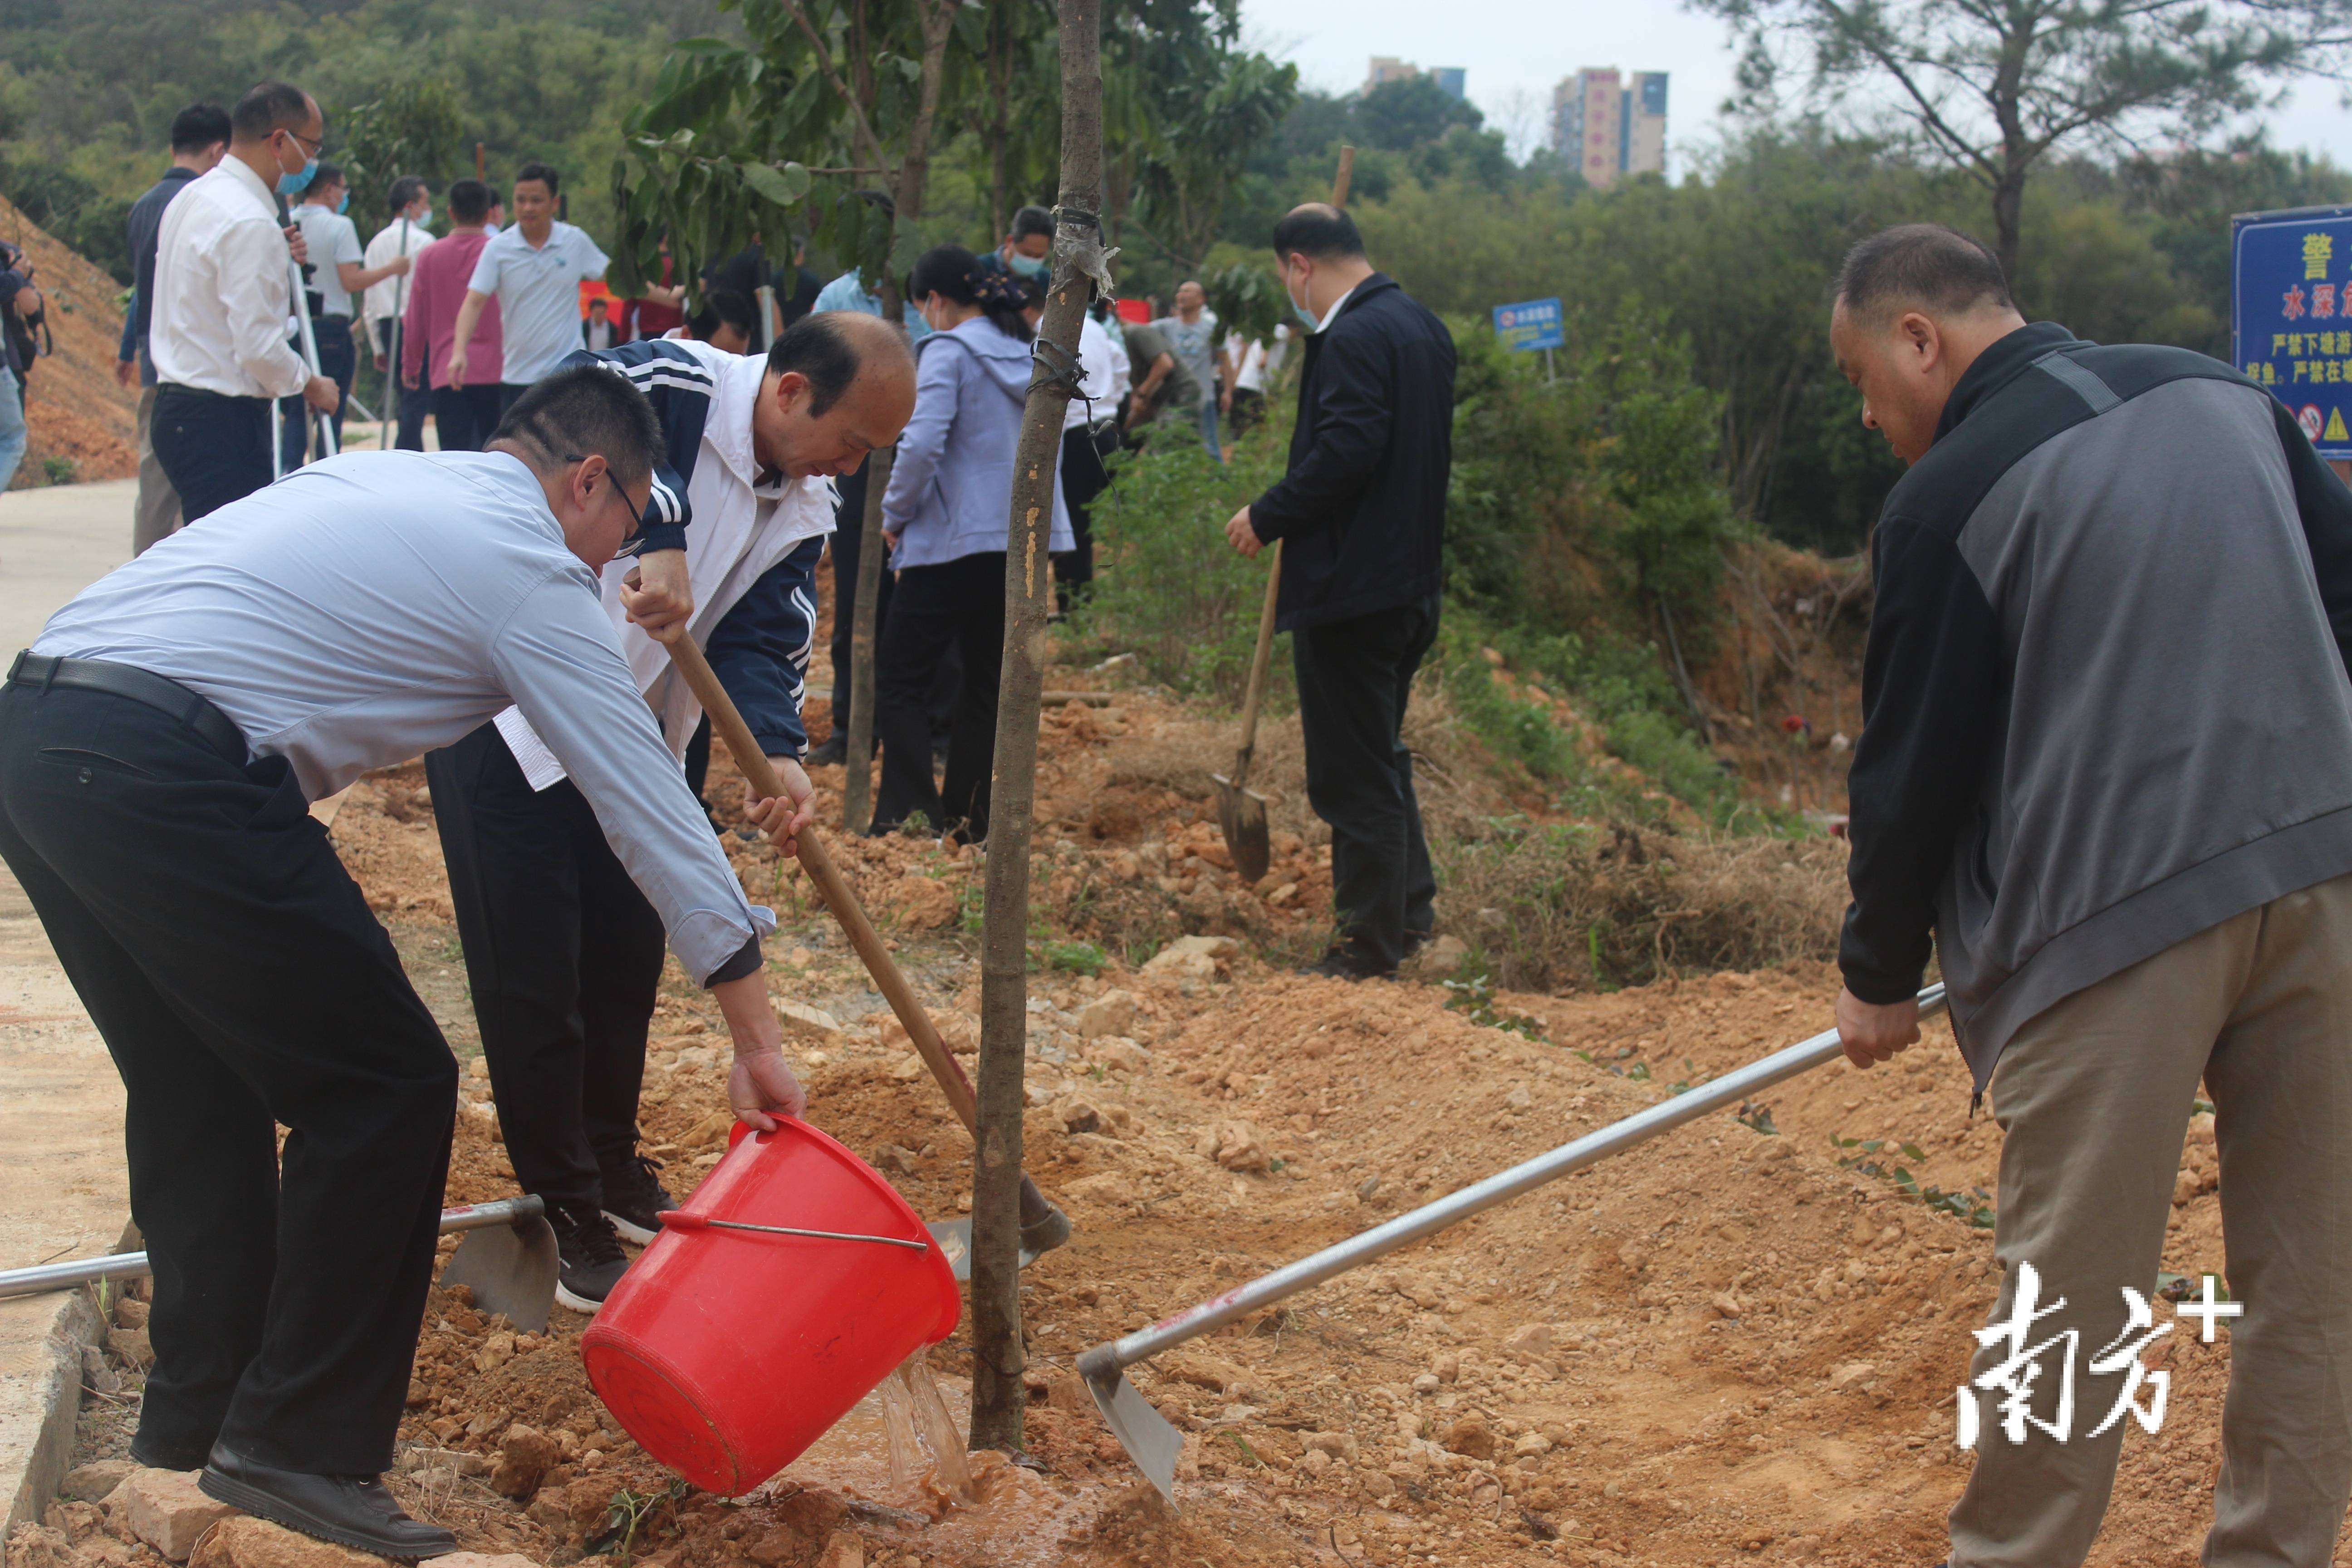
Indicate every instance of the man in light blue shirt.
{"type": "Point", "coordinates": [849, 292]}
{"type": "Point", "coordinates": [159, 747]}
{"type": "Point", "coordinates": [535, 268]}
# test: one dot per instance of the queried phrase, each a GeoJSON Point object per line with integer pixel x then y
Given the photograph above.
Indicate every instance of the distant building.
{"type": "Point", "coordinates": [1608, 127]}
{"type": "Point", "coordinates": [1452, 81]}
{"type": "Point", "coordinates": [1387, 68]}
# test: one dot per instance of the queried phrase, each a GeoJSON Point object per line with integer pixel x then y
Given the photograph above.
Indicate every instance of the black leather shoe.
{"type": "Point", "coordinates": [1336, 964]}
{"type": "Point", "coordinates": [349, 1510]}
{"type": "Point", "coordinates": [159, 1456]}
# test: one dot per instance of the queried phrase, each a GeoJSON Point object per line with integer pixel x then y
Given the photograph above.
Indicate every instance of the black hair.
{"type": "Point", "coordinates": [405, 190]}
{"type": "Point", "coordinates": [325, 175]}
{"type": "Point", "coordinates": [953, 271]}
{"type": "Point", "coordinates": [1317, 232]}
{"type": "Point", "coordinates": [588, 411]}
{"type": "Point", "coordinates": [1922, 264]}
{"type": "Point", "coordinates": [268, 107]}
{"type": "Point", "coordinates": [543, 172]}
{"type": "Point", "coordinates": [199, 126]}
{"type": "Point", "coordinates": [821, 348]}
{"type": "Point", "coordinates": [469, 200]}
{"type": "Point", "coordinates": [1032, 220]}
{"type": "Point", "coordinates": [728, 308]}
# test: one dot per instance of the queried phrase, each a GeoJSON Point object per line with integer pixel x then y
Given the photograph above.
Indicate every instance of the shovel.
{"type": "Point", "coordinates": [1154, 1445]}
{"type": "Point", "coordinates": [1042, 1227]}
{"type": "Point", "coordinates": [508, 1257]}
{"type": "Point", "coordinates": [1241, 810]}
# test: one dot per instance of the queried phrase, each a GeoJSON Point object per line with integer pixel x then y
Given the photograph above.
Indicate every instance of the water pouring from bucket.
{"type": "Point", "coordinates": [795, 1282]}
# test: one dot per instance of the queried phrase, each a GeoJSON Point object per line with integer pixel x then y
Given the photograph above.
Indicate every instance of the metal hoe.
{"type": "Point", "coordinates": [1154, 1445]}
{"type": "Point", "coordinates": [508, 1258]}
{"type": "Point", "coordinates": [1042, 1227]}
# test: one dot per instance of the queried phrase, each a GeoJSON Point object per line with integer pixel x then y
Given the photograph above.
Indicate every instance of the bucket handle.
{"type": "Point", "coordinates": [680, 1219]}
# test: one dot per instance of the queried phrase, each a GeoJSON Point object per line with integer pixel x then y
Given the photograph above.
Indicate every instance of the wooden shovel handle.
{"type": "Point", "coordinates": [754, 763]}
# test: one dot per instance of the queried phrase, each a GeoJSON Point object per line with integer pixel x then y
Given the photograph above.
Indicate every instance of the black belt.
{"type": "Point", "coordinates": [164, 696]}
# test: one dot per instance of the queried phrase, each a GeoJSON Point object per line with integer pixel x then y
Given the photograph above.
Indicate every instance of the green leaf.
{"type": "Point", "coordinates": [783, 187]}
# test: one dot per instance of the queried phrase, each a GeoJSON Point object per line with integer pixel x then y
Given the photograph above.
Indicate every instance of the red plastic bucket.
{"type": "Point", "coordinates": [725, 1353]}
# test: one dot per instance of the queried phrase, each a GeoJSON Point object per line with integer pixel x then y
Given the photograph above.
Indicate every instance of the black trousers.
{"type": "Point", "coordinates": [1082, 478]}
{"type": "Point", "coordinates": [241, 983]}
{"type": "Point", "coordinates": [1353, 679]}
{"type": "Point", "coordinates": [955, 607]}
{"type": "Point", "coordinates": [337, 361]}
{"type": "Point", "coordinates": [215, 449]}
{"type": "Point", "coordinates": [465, 417]}
{"type": "Point", "coordinates": [414, 402]}
{"type": "Point", "coordinates": [563, 954]}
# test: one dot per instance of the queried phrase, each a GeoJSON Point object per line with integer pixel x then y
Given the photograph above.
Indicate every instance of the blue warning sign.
{"type": "Point", "coordinates": [2291, 315]}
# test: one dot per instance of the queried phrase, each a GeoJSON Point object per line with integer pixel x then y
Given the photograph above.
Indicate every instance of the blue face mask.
{"type": "Point", "coordinates": [294, 184]}
{"type": "Point", "coordinates": [1314, 322]}
{"type": "Point", "coordinates": [1028, 265]}
{"type": "Point", "coordinates": [343, 204]}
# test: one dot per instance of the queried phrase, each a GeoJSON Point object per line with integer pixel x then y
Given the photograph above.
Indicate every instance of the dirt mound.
{"type": "Point", "coordinates": [75, 411]}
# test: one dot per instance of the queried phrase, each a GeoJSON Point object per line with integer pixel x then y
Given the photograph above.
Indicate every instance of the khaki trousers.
{"type": "Point", "coordinates": [158, 516]}
{"type": "Point", "coordinates": [2094, 1096]}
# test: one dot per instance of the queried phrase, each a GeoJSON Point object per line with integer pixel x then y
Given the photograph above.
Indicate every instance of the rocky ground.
{"type": "Point", "coordinates": [1739, 1343]}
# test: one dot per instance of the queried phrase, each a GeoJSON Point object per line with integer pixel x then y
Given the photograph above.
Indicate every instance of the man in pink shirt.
{"type": "Point", "coordinates": [464, 416]}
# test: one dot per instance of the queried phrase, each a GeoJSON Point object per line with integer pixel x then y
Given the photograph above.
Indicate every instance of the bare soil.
{"type": "Point", "coordinates": [74, 410]}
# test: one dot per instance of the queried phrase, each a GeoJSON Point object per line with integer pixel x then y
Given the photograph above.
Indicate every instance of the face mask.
{"type": "Point", "coordinates": [294, 184]}
{"type": "Point", "coordinates": [426, 221]}
{"type": "Point", "coordinates": [343, 204]}
{"type": "Point", "coordinates": [1028, 265]}
{"type": "Point", "coordinates": [1314, 322]}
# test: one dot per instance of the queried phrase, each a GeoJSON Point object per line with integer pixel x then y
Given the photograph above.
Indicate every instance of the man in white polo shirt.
{"type": "Point", "coordinates": [218, 335]}
{"type": "Point", "coordinates": [535, 268]}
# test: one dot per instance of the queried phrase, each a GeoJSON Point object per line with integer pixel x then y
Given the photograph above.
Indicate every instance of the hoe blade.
{"type": "Point", "coordinates": [511, 1268]}
{"type": "Point", "coordinates": [1241, 816]}
{"type": "Point", "coordinates": [954, 1237]}
{"type": "Point", "coordinates": [1143, 1432]}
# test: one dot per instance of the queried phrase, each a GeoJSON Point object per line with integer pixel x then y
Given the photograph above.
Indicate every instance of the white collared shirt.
{"type": "Point", "coordinates": [539, 295]}
{"type": "Point", "coordinates": [1338, 305]}
{"type": "Point", "coordinates": [223, 310]}
{"type": "Point", "coordinates": [333, 240]}
{"type": "Point", "coordinates": [399, 237]}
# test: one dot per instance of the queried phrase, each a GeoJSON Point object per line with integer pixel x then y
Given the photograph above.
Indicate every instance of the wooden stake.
{"type": "Point", "coordinates": [998, 1397]}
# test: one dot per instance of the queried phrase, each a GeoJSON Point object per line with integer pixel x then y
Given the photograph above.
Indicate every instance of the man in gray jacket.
{"type": "Point", "coordinates": [2107, 758]}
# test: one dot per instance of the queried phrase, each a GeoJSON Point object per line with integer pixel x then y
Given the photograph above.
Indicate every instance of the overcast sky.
{"type": "Point", "coordinates": [1515, 50]}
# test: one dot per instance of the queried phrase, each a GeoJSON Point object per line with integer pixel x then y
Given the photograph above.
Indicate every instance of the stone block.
{"type": "Point", "coordinates": [247, 1542]}
{"type": "Point", "coordinates": [163, 1509]}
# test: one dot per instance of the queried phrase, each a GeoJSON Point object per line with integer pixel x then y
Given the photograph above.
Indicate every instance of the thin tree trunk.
{"type": "Point", "coordinates": [858, 766]}
{"type": "Point", "coordinates": [998, 1359]}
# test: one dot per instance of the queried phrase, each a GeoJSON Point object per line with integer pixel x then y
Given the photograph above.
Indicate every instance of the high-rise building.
{"type": "Point", "coordinates": [1452, 81]}
{"type": "Point", "coordinates": [1608, 127]}
{"type": "Point", "coordinates": [1387, 68]}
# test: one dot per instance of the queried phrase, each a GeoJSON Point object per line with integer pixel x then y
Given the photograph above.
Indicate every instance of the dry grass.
{"type": "Point", "coordinates": [1593, 906]}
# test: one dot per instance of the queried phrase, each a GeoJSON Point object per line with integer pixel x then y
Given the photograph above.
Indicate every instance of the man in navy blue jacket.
{"type": "Point", "coordinates": [563, 955]}
{"type": "Point", "coordinates": [1363, 509]}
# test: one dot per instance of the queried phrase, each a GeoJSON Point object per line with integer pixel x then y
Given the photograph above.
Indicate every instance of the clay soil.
{"type": "Point", "coordinates": [75, 411]}
{"type": "Point", "coordinates": [1722, 1347]}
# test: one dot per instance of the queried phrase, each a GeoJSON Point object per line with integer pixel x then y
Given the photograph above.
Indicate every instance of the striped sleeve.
{"type": "Point", "coordinates": [679, 388]}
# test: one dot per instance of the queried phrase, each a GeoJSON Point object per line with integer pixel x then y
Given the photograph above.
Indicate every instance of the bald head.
{"type": "Point", "coordinates": [1321, 257]}
{"type": "Point", "coordinates": [839, 383]}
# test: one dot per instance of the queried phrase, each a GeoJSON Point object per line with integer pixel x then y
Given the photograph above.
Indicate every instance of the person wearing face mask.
{"type": "Point", "coordinates": [1363, 507]}
{"type": "Point", "coordinates": [562, 952]}
{"type": "Point", "coordinates": [410, 231]}
{"type": "Point", "coordinates": [338, 271]}
{"type": "Point", "coordinates": [1027, 251]}
{"type": "Point", "coordinates": [946, 516]}
{"type": "Point", "coordinates": [223, 298]}
{"type": "Point", "coordinates": [159, 745]}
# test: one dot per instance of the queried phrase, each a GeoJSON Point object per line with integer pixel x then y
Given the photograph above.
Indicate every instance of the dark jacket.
{"type": "Point", "coordinates": [1363, 506]}
{"type": "Point", "coordinates": [144, 225]}
{"type": "Point", "coordinates": [2105, 699]}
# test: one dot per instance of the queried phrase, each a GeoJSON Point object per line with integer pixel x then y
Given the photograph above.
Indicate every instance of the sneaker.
{"type": "Point", "coordinates": [634, 1200]}
{"type": "Point", "coordinates": [589, 1257]}
{"type": "Point", "coordinates": [832, 755]}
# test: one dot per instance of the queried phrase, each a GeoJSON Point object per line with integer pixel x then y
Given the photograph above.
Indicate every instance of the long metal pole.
{"type": "Point", "coordinates": [1103, 1363]}
{"type": "Point", "coordinates": [133, 1265]}
{"type": "Point", "coordinates": [392, 389]}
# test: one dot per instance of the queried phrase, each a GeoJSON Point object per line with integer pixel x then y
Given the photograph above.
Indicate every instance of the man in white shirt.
{"type": "Point", "coordinates": [535, 268]}
{"type": "Point", "coordinates": [159, 748]}
{"type": "Point", "coordinates": [563, 955]}
{"type": "Point", "coordinates": [218, 331]}
{"type": "Point", "coordinates": [410, 231]}
{"type": "Point", "coordinates": [337, 270]}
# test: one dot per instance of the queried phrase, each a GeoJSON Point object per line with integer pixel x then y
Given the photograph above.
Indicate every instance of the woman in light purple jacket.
{"type": "Point", "coordinates": [948, 514]}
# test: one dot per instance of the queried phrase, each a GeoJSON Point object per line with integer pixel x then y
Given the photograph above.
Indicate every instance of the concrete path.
{"type": "Point", "coordinates": [63, 1192]}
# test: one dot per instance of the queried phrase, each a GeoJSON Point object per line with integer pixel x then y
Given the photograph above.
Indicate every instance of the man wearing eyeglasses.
{"type": "Point", "coordinates": [563, 954]}
{"type": "Point", "coordinates": [218, 334]}
{"type": "Point", "coordinates": [159, 745]}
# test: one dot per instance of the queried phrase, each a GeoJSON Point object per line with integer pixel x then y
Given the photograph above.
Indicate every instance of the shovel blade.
{"type": "Point", "coordinates": [1143, 1432]}
{"type": "Point", "coordinates": [1241, 816]}
{"type": "Point", "coordinates": [510, 1268]}
{"type": "Point", "coordinates": [954, 1237]}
